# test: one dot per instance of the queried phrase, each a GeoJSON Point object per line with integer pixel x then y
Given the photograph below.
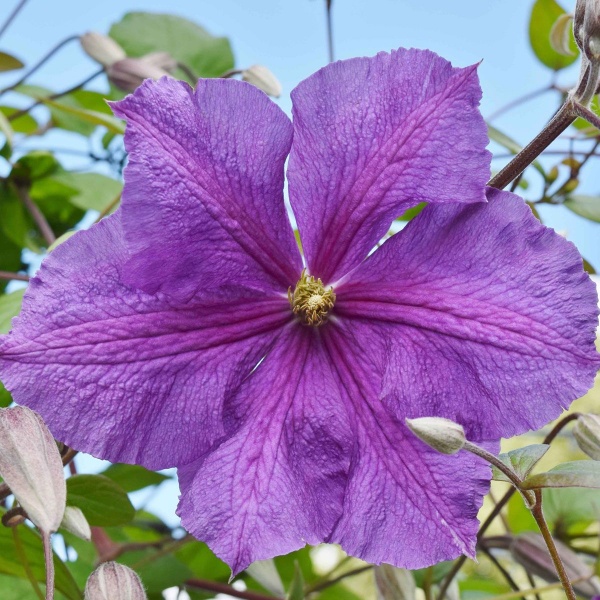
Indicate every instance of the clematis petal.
{"type": "Point", "coordinates": [313, 456]}
{"type": "Point", "coordinates": [405, 504]}
{"type": "Point", "coordinates": [277, 482]}
{"type": "Point", "coordinates": [121, 374]}
{"type": "Point", "coordinates": [373, 137]}
{"type": "Point", "coordinates": [203, 198]}
{"type": "Point", "coordinates": [479, 314]}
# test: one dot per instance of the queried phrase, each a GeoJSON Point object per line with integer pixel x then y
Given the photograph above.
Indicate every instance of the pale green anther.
{"type": "Point", "coordinates": [310, 301]}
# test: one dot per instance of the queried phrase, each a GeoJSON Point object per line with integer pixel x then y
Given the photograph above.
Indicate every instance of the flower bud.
{"type": "Point", "coordinates": [101, 48]}
{"type": "Point", "coordinates": [129, 73]}
{"type": "Point", "coordinates": [586, 28]}
{"type": "Point", "coordinates": [263, 79]}
{"type": "Point", "coordinates": [114, 581]}
{"type": "Point", "coordinates": [587, 434]}
{"type": "Point", "coordinates": [31, 466]}
{"type": "Point", "coordinates": [442, 435]}
{"type": "Point", "coordinates": [392, 583]}
{"type": "Point", "coordinates": [530, 551]}
{"type": "Point", "coordinates": [75, 522]}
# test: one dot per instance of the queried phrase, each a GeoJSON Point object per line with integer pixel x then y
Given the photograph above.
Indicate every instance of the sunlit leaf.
{"type": "Point", "coordinates": [568, 507]}
{"type": "Point", "coordinates": [92, 191]}
{"type": "Point", "coordinates": [141, 33]}
{"type": "Point", "coordinates": [585, 206]}
{"type": "Point", "coordinates": [579, 473]}
{"type": "Point", "coordinates": [521, 461]}
{"type": "Point", "coordinates": [544, 15]}
{"type": "Point", "coordinates": [23, 124]}
{"type": "Point", "coordinates": [133, 477]}
{"type": "Point", "coordinates": [8, 62]}
{"type": "Point", "coordinates": [10, 305]}
{"type": "Point", "coordinates": [6, 128]}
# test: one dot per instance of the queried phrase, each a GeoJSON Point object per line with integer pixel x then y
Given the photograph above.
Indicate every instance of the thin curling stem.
{"type": "Point", "coordinates": [538, 515]}
{"type": "Point", "coordinates": [12, 16]}
{"type": "Point", "coordinates": [20, 113]}
{"type": "Point", "coordinates": [40, 63]}
{"type": "Point", "coordinates": [328, 4]}
{"type": "Point", "coordinates": [222, 588]}
{"type": "Point", "coordinates": [37, 215]}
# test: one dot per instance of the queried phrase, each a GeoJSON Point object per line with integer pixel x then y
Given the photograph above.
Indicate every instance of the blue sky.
{"type": "Point", "coordinates": [289, 37]}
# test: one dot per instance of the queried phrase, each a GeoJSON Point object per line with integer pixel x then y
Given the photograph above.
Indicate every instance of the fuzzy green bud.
{"type": "Point", "coordinates": [442, 435]}
{"type": "Point", "coordinates": [587, 434]}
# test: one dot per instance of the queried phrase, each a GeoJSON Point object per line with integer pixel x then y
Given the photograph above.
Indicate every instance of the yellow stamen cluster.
{"type": "Point", "coordinates": [310, 300]}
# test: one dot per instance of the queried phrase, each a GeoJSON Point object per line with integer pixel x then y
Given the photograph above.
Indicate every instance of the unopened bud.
{"type": "Point", "coordinates": [552, 175]}
{"type": "Point", "coordinates": [560, 35]}
{"type": "Point", "coordinates": [75, 522]}
{"type": "Point", "coordinates": [114, 581]}
{"type": "Point", "coordinates": [392, 583]}
{"type": "Point", "coordinates": [531, 552]}
{"type": "Point", "coordinates": [129, 73]}
{"type": "Point", "coordinates": [31, 466]}
{"type": "Point", "coordinates": [442, 435]}
{"type": "Point", "coordinates": [586, 28]}
{"type": "Point", "coordinates": [263, 79]}
{"type": "Point", "coordinates": [587, 434]}
{"type": "Point", "coordinates": [101, 48]}
{"type": "Point", "coordinates": [571, 186]}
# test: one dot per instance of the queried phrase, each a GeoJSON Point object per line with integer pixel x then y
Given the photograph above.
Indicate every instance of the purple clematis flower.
{"type": "Point", "coordinates": [186, 331]}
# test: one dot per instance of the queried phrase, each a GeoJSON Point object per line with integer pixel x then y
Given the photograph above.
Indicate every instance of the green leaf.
{"type": "Point", "coordinates": [519, 516]}
{"type": "Point", "coordinates": [8, 62]}
{"type": "Point", "coordinates": [544, 15]}
{"type": "Point", "coordinates": [202, 562]}
{"type": "Point", "coordinates": [567, 508]}
{"type": "Point", "coordinates": [102, 501]}
{"type": "Point", "coordinates": [521, 461]}
{"type": "Point", "coordinates": [162, 573]}
{"type": "Point", "coordinates": [587, 207]}
{"type": "Point", "coordinates": [6, 129]}
{"type": "Point", "coordinates": [93, 117]}
{"type": "Point", "coordinates": [72, 112]}
{"type": "Point", "coordinates": [5, 397]}
{"type": "Point", "coordinates": [10, 256]}
{"type": "Point", "coordinates": [140, 33]}
{"type": "Point", "coordinates": [10, 563]}
{"type": "Point", "coordinates": [296, 590]}
{"type": "Point", "coordinates": [24, 124]}
{"type": "Point", "coordinates": [133, 477]}
{"type": "Point", "coordinates": [92, 191]}
{"type": "Point", "coordinates": [10, 305]}
{"type": "Point", "coordinates": [579, 473]}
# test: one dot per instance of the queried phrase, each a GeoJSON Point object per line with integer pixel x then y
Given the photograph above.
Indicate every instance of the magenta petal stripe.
{"type": "Point", "coordinates": [123, 375]}
{"type": "Point", "coordinates": [476, 313]}
{"type": "Point", "coordinates": [203, 201]}
{"type": "Point", "coordinates": [373, 137]}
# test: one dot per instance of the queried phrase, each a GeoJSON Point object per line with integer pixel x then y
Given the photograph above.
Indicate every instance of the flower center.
{"type": "Point", "coordinates": [310, 300]}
